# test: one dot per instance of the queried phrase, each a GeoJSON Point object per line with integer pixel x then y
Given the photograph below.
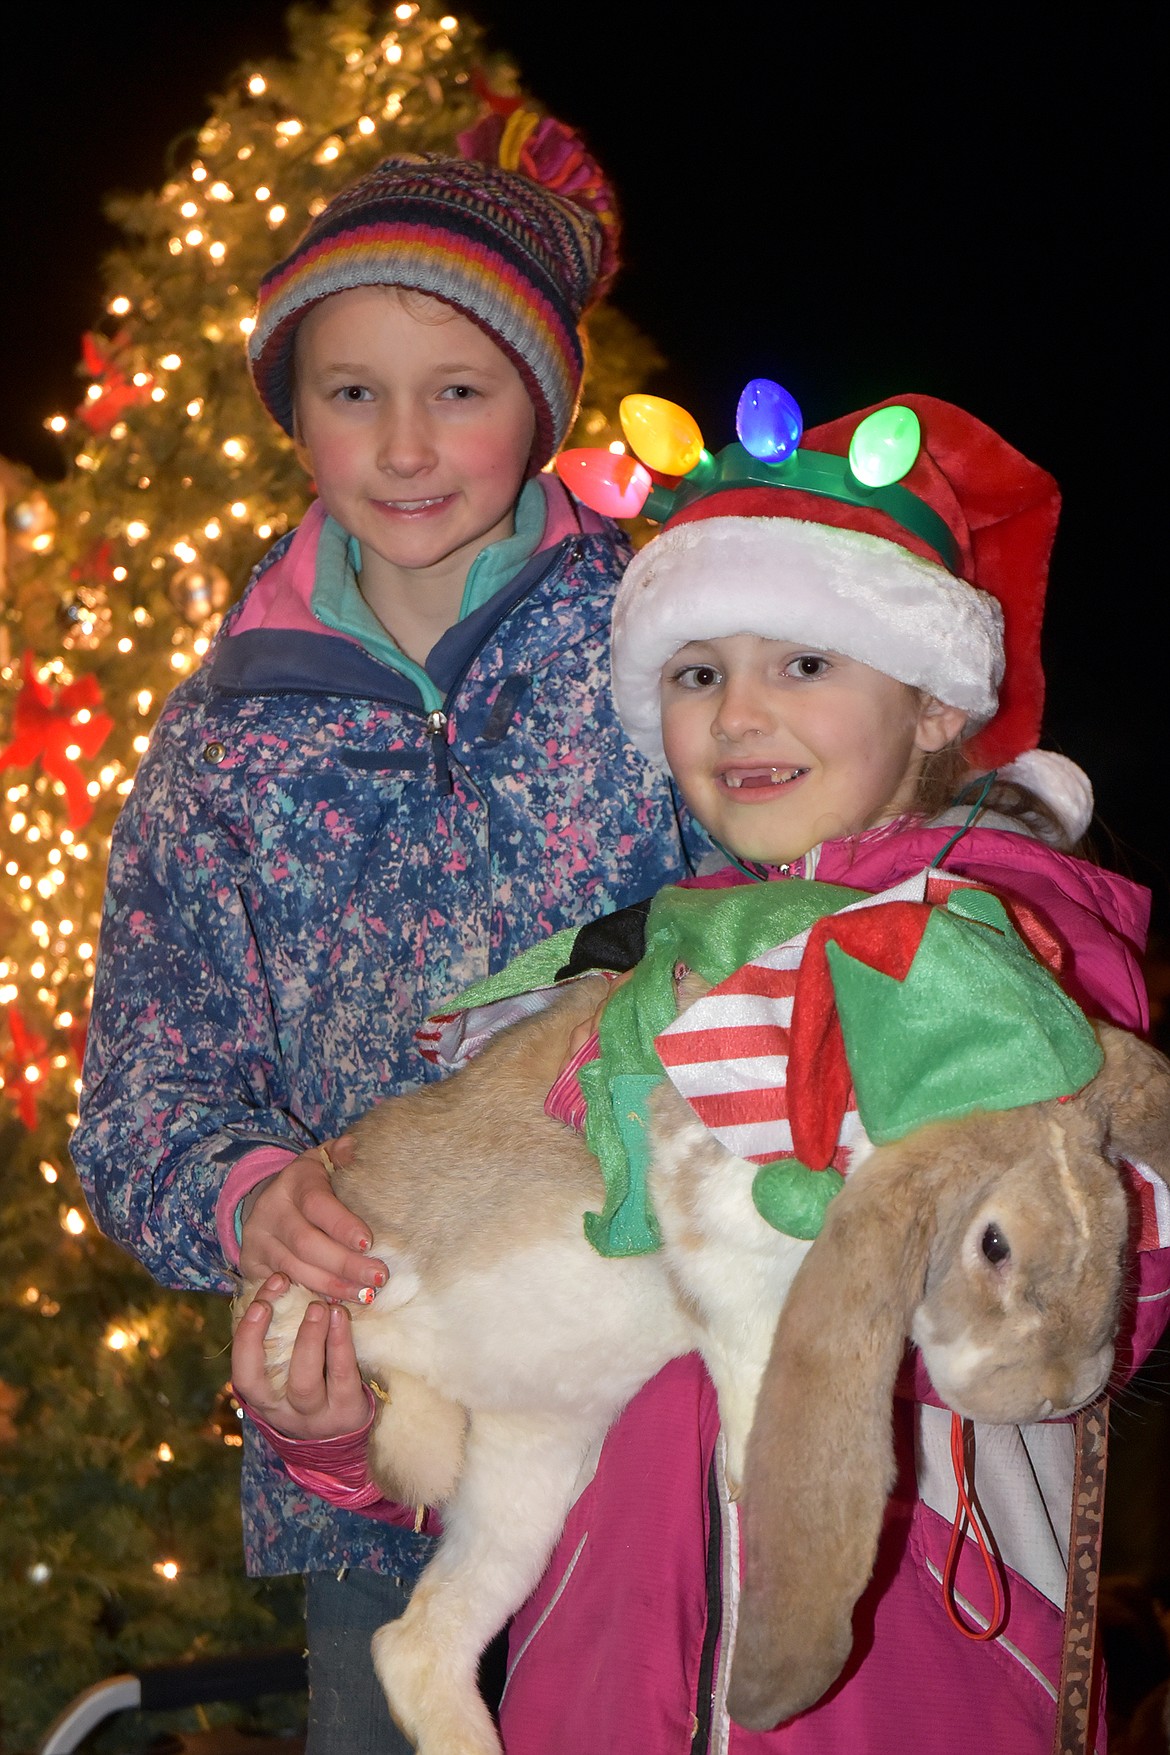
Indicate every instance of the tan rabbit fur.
{"type": "Point", "coordinates": [508, 1345]}
{"type": "Point", "coordinates": [1020, 1339]}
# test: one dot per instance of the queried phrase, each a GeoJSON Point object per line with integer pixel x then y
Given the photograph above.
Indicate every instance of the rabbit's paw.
{"type": "Point", "coordinates": [287, 1312]}
{"type": "Point", "coordinates": [426, 1700]}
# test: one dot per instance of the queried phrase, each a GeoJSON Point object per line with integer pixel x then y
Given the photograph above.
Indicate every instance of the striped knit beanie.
{"type": "Point", "coordinates": [519, 234]}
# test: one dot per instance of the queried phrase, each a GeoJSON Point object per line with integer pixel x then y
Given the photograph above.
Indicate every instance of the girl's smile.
{"type": "Point", "coordinates": [777, 748]}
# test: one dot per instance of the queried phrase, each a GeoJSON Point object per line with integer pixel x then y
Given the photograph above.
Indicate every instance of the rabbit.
{"type": "Point", "coordinates": [997, 1245]}
{"type": "Point", "coordinates": [507, 1345]}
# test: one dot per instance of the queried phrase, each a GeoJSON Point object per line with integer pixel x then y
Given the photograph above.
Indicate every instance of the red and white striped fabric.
{"type": "Point", "coordinates": [728, 1053]}
{"type": "Point", "coordinates": [1153, 1201]}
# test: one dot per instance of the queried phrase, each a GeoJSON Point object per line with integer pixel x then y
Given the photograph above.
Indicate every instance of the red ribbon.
{"type": "Point", "coordinates": [29, 1050]}
{"type": "Point", "coordinates": [46, 725]}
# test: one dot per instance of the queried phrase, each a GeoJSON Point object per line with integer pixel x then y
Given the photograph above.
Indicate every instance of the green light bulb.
{"type": "Point", "coordinates": [884, 446]}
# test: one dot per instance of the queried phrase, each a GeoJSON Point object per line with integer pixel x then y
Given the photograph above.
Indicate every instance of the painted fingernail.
{"type": "Point", "coordinates": [366, 1295]}
{"type": "Point", "coordinates": [379, 1276]}
{"type": "Point", "coordinates": [364, 1243]}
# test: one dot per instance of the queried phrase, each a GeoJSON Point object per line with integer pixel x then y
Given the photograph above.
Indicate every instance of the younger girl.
{"type": "Point", "coordinates": [832, 675]}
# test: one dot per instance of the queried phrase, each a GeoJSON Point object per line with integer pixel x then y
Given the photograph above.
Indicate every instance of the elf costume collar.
{"type": "Point", "coordinates": [834, 1017]}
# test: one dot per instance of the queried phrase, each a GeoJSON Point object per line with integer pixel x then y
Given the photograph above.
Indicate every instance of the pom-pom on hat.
{"type": "Point", "coordinates": [519, 235]}
{"type": "Point", "coordinates": [793, 564]}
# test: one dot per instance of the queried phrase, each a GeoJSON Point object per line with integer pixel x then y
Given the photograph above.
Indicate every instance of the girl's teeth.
{"type": "Point", "coordinates": [779, 776]}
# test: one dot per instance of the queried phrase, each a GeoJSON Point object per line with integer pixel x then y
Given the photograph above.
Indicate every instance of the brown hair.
{"type": "Point", "coordinates": [947, 779]}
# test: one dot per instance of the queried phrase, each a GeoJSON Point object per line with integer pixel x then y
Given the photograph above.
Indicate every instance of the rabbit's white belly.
{"type": "Point", "coordinates": [554, 1325]}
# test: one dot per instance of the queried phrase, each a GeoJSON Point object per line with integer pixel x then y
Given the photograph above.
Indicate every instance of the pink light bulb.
{"type": "Point", "coordinates": [612, 483]}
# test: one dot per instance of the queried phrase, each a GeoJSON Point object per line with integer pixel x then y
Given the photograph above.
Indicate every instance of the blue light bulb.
{"type": "Point", "coordinates": [768, 421]}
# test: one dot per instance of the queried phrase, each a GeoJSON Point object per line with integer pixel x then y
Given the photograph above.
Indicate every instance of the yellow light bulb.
{"type": "Point", "coordinates": [170, 362]}
{"type": "Point", "coordinates": [57, 423]}
{"type": "Point", "coordinates": [257, 85]}
{"type": "Point", "coordinates": [117, 1339]}
{"type": "Point", "coordinates": [221, 192]}
{"type": "Point", "coordinates": [662, 434]}
{"type": "Point", "coordinates": [217, 251]}
{"type": "Point", "coordinates": [367, 125]}
{"type": "Point", "coordinates": [164, 1453]}
{"type": "Point", "coordinates": [277, 215]}
{"type": "Point", "coordinates": [73, 1222]}
{"type": "Point", "coordinates": [118, 307]}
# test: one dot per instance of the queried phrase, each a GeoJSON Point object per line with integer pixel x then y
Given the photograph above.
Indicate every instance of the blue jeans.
{"type": "Point", "coordinates": [347, 1709]}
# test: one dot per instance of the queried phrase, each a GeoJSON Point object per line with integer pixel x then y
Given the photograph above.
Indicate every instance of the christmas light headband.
{"type": "Point", "coordinates": [667, 443]}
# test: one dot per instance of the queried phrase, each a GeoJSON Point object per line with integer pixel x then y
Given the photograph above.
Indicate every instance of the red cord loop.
{"type": "Point", "coordinates": [966, 1516]}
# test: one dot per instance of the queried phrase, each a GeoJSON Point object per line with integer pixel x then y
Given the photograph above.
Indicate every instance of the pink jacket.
{"type": "Point", "coordinates": [622, 1648]}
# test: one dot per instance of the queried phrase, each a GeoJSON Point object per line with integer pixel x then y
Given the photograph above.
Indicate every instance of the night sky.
{"type": "Point", "coordinates": [855, 201]}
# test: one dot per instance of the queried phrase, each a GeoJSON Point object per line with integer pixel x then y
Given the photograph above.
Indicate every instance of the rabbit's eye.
{"type": "Point", "coordinates": [994, 1245]}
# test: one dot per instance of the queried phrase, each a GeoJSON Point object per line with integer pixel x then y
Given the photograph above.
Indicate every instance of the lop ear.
{"type": "Point", "coordinates": [1131, 1097]}
{"type": "Point", "coordinates": [820, 1459]}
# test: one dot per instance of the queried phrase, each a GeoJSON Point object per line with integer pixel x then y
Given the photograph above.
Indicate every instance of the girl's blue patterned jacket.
{"type": "Point", "coordinates": [310, 860]}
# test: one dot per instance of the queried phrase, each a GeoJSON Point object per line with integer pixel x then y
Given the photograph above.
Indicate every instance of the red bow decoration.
{"type": "Point", "coordinates": [118, 391]}
{"type": "Point", "coordinates": [96, 565]}
{"type": "Point", "coordinates": [46, 724]}
{"type": "Point", "coordinates": [28, 1051]}
{"type": "Point", "coordinates": [78, 1036]}
{"type": "Point", "coordinates": [499, 102]}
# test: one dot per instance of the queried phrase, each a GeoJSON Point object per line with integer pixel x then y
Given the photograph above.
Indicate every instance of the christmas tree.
{"type": "Point", "coordinates": [118, 1436]}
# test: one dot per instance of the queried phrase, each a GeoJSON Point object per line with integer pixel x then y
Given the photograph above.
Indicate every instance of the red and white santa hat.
{"type": "Point", "coordinates": [786, 563]}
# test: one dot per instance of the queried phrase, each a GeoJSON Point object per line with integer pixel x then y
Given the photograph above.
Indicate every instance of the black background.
{"type": "Point", "coordinates": [856, 202]}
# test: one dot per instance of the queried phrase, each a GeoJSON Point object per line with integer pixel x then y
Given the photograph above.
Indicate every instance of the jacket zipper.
{"type": "Point", "coordinates": [437, 720]}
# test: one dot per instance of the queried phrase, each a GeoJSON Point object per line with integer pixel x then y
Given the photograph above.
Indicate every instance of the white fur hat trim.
{"type": "Point", "coordinates": [1064, 787]}
{"type": "Point", "coordinates": [841, 590]}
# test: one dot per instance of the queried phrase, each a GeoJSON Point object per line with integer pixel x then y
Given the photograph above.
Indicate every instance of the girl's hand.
{"type": "Point", "coordinates": [294, 1224]}
{"type": "Point", "coordinates": [324, 1396]}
